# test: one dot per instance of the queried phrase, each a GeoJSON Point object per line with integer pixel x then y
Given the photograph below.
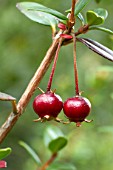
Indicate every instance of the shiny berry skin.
{"type": "Point", "coordinates": [77, 108]}
{"type": "Point", "coordinates": [48, 104]}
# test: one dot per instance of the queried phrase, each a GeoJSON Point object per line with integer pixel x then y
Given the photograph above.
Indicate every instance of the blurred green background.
{"type": "Point", "coordinates": [23, 44]}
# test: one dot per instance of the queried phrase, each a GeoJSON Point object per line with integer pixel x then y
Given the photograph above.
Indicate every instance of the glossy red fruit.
{"type": "Point", "coordinates": [48, 104]}
{"type": "Point", "coordinates": [77, 108]}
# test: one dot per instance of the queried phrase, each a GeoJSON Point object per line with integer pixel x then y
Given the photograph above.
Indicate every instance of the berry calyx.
{"type": "Point", "coordinates": [77, 109]}
{"type": "Point", "coordinates": [47, 105]}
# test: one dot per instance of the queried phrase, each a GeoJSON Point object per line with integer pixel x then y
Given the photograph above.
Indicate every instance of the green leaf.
{"type": "Point", "coordinates": [41, 14]}
{"type": "Point", "coordinates": [97, 48]}
{"type": "Point", "coordinates": [81, 18]}
{"type": "Point", "coordinates": [38, 16]}
{"type": "Point", "coordinates": [5, 152]}
{"type": "Point", "coordinates": [80, 5]}
{"type": "Point", "coordinates": [31, 152]}
{"type": "Point", "coordinates": [101, 29]}
{"type": "Point", "coordinates": [6, 97]}
{"type": "Point", "coordinates": [57, 144]}
{"type": "Point", "coordinates": [38, 7]}
{"type": "Point", "coordinates": [97, 16]}
{"type": "Point", "coordinates": [54, 139]}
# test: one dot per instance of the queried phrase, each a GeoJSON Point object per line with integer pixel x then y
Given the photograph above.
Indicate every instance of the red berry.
{"type": "Point", "coordinates": [48, 104]}
{"type": "Point", "coordinates": [77, 108]}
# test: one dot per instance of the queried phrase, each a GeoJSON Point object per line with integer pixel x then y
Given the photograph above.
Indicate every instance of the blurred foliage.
{"type": "Point", "coordinates": [23, 44]}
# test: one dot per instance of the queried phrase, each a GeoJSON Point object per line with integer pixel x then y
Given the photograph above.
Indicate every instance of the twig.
{"type": "Point", "coordinates": [72, 17]}
{"type": "Point", "coordinates": [82, 30]}
{"type": "Point", "coordinates": [25, 98]}
{"type": "Point", "coordinates": [71, 22]}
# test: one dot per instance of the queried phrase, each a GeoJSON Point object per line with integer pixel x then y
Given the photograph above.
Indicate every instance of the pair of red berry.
{"type": "Point", "coordinates": [48, 105]}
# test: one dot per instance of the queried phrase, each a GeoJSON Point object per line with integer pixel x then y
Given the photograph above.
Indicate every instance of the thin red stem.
{"type": "Point", "coordinates": [75, 66]}
{"type": "Point", "coordinates": [53, 67]}
{"type": "Point", "coordinates": [52, 158]}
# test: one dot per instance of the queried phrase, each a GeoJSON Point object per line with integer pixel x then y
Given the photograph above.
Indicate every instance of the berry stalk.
{"type": "Point", "coordinates": [75, 66]}
{"type": "Point", "coordinates": [49, 162]}
{"type": "Point", "coordinates": [54, 66]}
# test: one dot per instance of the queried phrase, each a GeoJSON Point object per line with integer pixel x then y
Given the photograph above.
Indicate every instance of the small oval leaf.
{"type": "Point", "coordinates": [97, 16]}
{"type": "Point", "coordinates": [31, 152]}
{"type": "Point", "coordinates": [57, 144]}
{"type": "Point", "coordinates": [38, 7]}
{"type": "Point", "coordinates": [54, 139]}
{"type": "Point", "coordinates": [6, 97]}
{"type": "Point", "coordinates": [97, 48]}
{"type": "Point", "coordinates": [101, 29]}
{"type": "Point", "coordinates": [5, 152]}
{"type": "Point", "coordinates": [38, 16]}
{"type": "Point", "coordinates": [41, 14]}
